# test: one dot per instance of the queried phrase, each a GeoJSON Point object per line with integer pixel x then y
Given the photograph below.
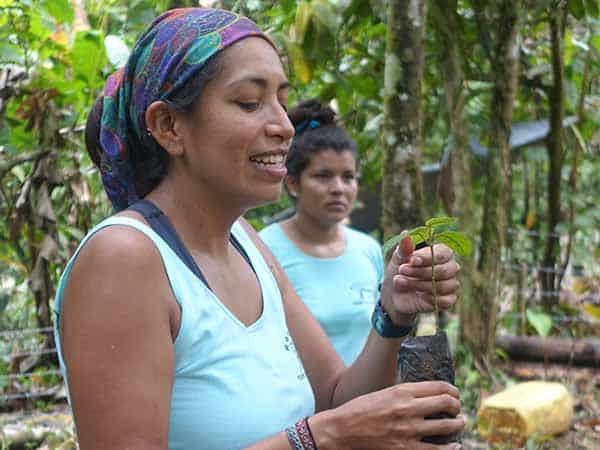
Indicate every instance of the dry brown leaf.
{"type": "Point", "coordinates": [588, 424]}
{"type": "Point", "coordinates": [44, 205]}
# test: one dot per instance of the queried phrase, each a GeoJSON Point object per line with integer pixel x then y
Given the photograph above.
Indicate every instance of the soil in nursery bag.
{"type": "Point", "coordinates": [428, 358]}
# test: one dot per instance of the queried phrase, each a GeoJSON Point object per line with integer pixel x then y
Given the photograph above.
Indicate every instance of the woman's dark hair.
{"type": "Point", "coordinates": [316, 130]}
{"type": "Point", "coordinates": [92, 132]}
{"type": "Point", "coordinates": [149, 160]}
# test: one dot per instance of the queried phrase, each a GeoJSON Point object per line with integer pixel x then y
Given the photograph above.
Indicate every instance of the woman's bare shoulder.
{"type": "Point", "coordinates": [118, 242]}
{"type": "Point", "coordinates": [118, 260]}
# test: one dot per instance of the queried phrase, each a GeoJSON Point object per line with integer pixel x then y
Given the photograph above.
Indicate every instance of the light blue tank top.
{"type": "Point", "coordinates": [341, 292]}
{"type": "Point", "coordinates": [234, 384]}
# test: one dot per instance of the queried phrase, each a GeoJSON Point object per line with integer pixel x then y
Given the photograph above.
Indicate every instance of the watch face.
{"type": "Point", "coordinates": [379, 320]}
{"type": "Point", "coordinates": [379, 323]}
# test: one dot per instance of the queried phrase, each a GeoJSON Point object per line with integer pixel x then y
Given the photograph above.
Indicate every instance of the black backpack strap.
{"type": "Point", "coordinates": [160, 223]}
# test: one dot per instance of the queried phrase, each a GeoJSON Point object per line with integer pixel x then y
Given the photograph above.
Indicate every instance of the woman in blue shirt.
{"type": "Point", "coordinates": [334, 269]}
{"type": "Point", "coordinates": [177, 327]}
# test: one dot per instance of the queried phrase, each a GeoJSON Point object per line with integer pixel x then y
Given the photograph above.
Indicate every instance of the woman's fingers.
{"type": "Point", "coordinates": [443, 287]}
{"type": "Point", "coordinates": [416, 445]}
{"type": "Point", "coordinates": [428, 389]}
{"type": "Point", "coordinates": [422, 257]}
{"type": "Point", "coordinates": [406, 247]}
{"type": "Point", "coordinates": [395, 417]}
{"type": "Point", "coordinates": [443, 427]}
{"type": "Point", "coordinates": [403, 251]}
{"type": "Point", "coordinates": [445, 301]}
{"type": "Point", "coordinates": [443, 271]}
{"type": "Point", "coordinates": [428, 406]}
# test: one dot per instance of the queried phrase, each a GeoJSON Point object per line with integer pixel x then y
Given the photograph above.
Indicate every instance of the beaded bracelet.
{"type": "Point", "coordinates": [300, 436]}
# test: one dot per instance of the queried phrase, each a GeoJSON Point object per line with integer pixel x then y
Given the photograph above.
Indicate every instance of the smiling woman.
{"type": "Point", "coordinates": [240, 123]}
{"type": "Point", "coordinates": [176, 326]}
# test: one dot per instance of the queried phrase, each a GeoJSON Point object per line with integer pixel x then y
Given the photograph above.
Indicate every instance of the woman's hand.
{"type": "Point", "coordinates": [391, 419]}
{"type": "Point", "coordinates": [407, 289]}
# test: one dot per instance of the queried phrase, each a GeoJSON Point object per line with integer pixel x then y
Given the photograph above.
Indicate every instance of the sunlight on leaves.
{"type": "Point", "coordinates": [541, 321]}
{"type": "Point", "coordinates": [456, 241]}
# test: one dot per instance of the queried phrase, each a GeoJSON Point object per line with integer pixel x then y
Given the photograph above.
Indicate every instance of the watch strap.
{"type": "Point", "coordinates": [383, 325]}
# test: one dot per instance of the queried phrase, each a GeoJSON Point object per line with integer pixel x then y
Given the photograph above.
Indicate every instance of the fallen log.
{"type": "Point", "coordinates": [581, 352]}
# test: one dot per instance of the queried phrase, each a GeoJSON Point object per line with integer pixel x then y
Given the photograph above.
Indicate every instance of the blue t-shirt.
{"type": "Point", "coordinates": [340, 292]}
{"type": "Point", "coordinates": [234, 384]}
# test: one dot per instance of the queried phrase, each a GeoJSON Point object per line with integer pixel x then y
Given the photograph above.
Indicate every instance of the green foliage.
{"type": "Point", "coordinates": [540, 321]}
{"type": "Point", "coordinates": [61, 10]}
{"type": "Point", "coordinates": [434, 231]}
{"type": "Point", "coordinates": [53, 68]}
{"type": "Point", "coordinates": [332, 50]}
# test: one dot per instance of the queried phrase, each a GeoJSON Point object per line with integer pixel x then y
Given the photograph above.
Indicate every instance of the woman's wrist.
{"type": "Point", "coordinates": [399, 319]}
{"type": "Point", "coordinates": [385, 299]}
{"type": "Point", "coordinates": [300, 436]}
{"type": "Point", "coordinates": [326, 431]}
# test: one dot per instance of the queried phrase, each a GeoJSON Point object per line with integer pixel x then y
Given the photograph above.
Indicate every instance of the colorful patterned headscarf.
{"type": "Point", "coordinates": [169, 53]}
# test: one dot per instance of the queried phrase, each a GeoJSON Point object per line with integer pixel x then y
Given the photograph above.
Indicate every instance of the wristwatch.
{"type": "Point", "coordinates": [384, 326]}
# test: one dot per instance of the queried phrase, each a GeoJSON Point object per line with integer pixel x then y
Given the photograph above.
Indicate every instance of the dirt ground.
{"type": "Point", "coordinates": [584, 385]}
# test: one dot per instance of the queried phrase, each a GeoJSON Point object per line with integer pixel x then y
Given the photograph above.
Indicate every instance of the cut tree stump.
{"type": "Point", "coordinates": [581, 352]}
{"type": "Point", "coordinates": [533, 408]}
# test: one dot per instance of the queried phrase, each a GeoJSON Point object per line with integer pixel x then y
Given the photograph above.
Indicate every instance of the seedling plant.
{"type": "Point", "coordinates": [426, 358]}
{"type": "Point", "coordinates": [437, 230]}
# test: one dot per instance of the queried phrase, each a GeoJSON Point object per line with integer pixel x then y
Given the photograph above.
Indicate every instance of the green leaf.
{"type": "Point", "coordinates": [61, 10]}
{"type": "Point", "coordinates": [457, 241]}
{"type": "Point", "coordinates": [88, 56]}
{"type": "Point", "coordinates": [300, 63]}
{"type": "Point", "coordinates": [392, 242]}
{"type": "Point", "coordinates": [568, 49]}
{"type": "Point", "coordinates": [596, 42]}
{"type": "Point", "coordinates": [592, 310]}
{"type": "Point", "coordinates": [578, 136]}
{"type": "Point", "coordinates": [576, 7]}
{"type": "Point", "coordinates": [436, 221]}
{"type": "Point", "coordinates": [541, 321]}
{"type": "Point", "coordinates": [40, 26]}
{"type": "Point", "coordinates": [419, 234]}
{"type": "Point", "coordinates": [303, 17]}
{"type": "Point", "coordinates": [592, 8]}
{"type": "Point", "coordinates": [10, 53]}
{"type": "Point", "coordinates": [324, 13]}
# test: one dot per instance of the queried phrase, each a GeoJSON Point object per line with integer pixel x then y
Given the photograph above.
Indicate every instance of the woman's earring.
{"type": "Point", "coordinates": [148, 131]}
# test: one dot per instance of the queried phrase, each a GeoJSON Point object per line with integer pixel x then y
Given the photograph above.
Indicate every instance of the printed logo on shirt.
{"type": "Point", "coordinates": [362, 294]}
{"type": "Point", "coordinates": [288, 344]}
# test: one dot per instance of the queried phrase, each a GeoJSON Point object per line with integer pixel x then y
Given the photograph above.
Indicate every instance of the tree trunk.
{"type": "Point", "coordinates": [458, 190]}
{"type": "Point", "coordinates": [480, 323]}
{"type": "Point", "coordinates": [578, 149]}
{"type": "Point", "coordinates": [555, 157]}
{"type": "Point", "coordinates": [584, 352]}
{"type": "Point", "coordinates": [402, 182]}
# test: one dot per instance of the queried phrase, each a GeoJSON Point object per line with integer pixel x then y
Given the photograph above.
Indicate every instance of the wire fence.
{"type": "Point", "coordinates": [16, 346]}
{"type": "Point", "coordinates": [24, 331]}
{"type": "Point", "coordinates": [538, 269]}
